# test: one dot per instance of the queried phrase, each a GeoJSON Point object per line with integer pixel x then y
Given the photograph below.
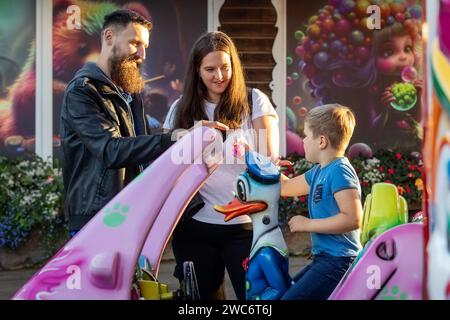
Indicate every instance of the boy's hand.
{"type": "Point", "coordinates": [281, 163]}
{"type": "Point", "coordinates": [299, 224]}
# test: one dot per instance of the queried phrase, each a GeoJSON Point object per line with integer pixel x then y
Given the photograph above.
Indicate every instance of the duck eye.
{"type": "Point", "coordinates": [241, 191]}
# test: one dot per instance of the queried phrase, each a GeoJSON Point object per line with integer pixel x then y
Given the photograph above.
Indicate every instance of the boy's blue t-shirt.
{"type": "Point", "coordinates": [324, 182]}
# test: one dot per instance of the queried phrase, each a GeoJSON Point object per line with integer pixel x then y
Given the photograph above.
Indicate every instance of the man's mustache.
{"type": "Point", "coordinates": [133, 58]}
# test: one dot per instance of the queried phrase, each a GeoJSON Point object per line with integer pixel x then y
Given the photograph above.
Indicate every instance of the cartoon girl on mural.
{"type": "Point", "coordinates": [395, 52]}
{"type": "Point", "coordinates": [348, 63]}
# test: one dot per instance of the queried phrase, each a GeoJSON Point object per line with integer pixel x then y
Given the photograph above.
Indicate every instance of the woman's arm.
{"type": "Point", "coordinates": [267, 138]}
{"type": "Point", "coordinates": [267, 143]}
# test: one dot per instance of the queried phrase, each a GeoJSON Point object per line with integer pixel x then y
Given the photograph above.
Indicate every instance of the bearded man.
{"type": "Point", "coordinates": [103, 131]}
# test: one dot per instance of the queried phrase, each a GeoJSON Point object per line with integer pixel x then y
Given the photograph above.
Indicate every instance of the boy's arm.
{"type": "Point", "coordinates": [348, 219]}
{"type": "Point", "coordinates": [294, 187]}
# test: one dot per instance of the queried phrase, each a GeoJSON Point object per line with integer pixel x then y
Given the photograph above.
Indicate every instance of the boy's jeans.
{"type": "Point", "coordinates": [318, 280]}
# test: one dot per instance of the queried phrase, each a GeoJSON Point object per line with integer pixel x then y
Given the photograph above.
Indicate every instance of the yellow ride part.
{"type": "Point", "coordinates": [384, 209]}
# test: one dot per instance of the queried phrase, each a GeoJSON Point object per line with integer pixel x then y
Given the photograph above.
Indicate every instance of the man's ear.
{"type": "Point", "coordinates": [108, 35]}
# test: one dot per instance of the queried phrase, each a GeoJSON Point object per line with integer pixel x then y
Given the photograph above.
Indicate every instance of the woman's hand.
{"type": "Point", "coordinates": [240, 148]}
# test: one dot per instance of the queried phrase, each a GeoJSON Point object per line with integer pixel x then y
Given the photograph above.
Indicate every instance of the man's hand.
{"type": "Point", "coordinates": [299, 224]}
{"type": "Point", "coordinates": [179, 133]}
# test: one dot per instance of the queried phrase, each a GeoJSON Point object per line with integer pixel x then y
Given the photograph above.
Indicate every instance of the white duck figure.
{"type": "Point", "coordinates": [257, 194]}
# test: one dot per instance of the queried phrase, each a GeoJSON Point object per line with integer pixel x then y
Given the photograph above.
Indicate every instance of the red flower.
{"type": "Point", "coordinates": [391, 171]}
{"type": "Point", "coordinates": [302, 199]}
{"type": "Point", "coordinates": [410, 175]}
{"type": "Point", "coordinates": [388, 181]}
{"type": "Point", "coordinates": [408, 189]}
{"type": "Point", "coordinates": [381, 169]}
{"type": "Point", "coordinates": [398, 156]}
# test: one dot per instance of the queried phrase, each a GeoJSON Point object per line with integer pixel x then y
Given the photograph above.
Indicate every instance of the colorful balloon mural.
{"type": "Point", "coordinates": [340, 60]}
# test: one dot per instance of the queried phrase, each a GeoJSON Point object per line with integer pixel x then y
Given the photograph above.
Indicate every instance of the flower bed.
{"type": "Point", "coordinates": [31, 201]}
{"type": "Point", "coordinates": [399, 168]}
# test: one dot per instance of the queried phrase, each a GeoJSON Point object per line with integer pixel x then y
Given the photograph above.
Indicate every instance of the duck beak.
{"type": "Point", "coordinates": [237, 208]}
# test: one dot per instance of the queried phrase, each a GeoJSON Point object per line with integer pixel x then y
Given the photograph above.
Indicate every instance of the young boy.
{"type": "Point", "coordinates": [334, 202]}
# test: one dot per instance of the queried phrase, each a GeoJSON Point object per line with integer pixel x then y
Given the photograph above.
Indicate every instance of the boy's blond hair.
{"type": "Point", "coordinates": [334, 121]}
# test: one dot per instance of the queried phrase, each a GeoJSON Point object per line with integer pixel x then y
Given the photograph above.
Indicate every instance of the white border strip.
{"type": "Point", "coordinates": [44, 80]}
{"type": "Point", "coordinates": [213, 14]}
{"type": "Point", "coordinates": [278, 85]}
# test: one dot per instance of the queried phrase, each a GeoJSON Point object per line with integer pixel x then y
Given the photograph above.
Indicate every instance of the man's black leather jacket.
{"type": "Point", "coordinates": [101, 152]}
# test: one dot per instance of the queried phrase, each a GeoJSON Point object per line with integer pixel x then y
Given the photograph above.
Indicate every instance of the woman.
{"type": "Point", "coordinates": [215, 90]}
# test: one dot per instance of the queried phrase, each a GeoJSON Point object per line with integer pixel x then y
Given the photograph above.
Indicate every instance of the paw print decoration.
{"type": "Point", "coordinates": [393, 294]}
{"type": "Point", "coordinates": [115, 216]}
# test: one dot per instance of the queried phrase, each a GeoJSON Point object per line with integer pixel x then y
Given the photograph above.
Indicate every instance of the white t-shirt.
{"type": "Point", "coordinates": [219, 187]}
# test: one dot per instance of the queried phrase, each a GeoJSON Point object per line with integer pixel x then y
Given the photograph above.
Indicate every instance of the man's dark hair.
{"type": "Point", "coordinates": [122, 18]}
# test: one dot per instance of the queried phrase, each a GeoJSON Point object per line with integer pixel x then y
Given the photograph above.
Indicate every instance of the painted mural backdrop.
{"type": "Point", "coordinates": [176, 25]}
{"type": "Point", "coordinates": [17, 35]}
{"type": "Point", "coordinates": [371, 62]}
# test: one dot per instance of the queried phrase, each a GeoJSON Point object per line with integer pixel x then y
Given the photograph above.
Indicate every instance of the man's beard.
{"type": "Point", "coordinates": [126, 74]}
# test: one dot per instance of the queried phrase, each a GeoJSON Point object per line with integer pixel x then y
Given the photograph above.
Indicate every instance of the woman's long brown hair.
{"type": "Point", "coordinates": [233, 106]}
